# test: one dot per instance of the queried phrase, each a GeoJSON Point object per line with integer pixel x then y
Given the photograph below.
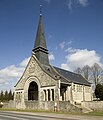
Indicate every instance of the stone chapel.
{"type": "Point", "coordinates": [43, 86]}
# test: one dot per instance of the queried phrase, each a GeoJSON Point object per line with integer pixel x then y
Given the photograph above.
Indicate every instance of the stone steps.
{"type": "Point", "coordinates": [84, 109]}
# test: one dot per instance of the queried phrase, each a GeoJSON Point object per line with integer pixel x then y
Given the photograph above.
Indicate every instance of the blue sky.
{"type": "Point", "coordinates": [73, 30]}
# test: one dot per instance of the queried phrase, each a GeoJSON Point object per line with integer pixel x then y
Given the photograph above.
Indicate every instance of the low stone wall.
{"type": "Point", "coordinates": [37, 105]}
{"type": "Point", "coordinates": [9, 104]}
{"type": "Point", "coordinates": [49, 105]}
{"type": "Point", "coordinates": [94, 105]}
{"type": "Point", "coordinates": [68, 107]}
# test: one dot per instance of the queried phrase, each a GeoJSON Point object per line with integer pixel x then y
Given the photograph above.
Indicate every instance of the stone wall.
{"type": "Point", "coordinates": [9, 104]}
{"type": "Point", "coordinates": [64, 106]}
{"type": "Point", "coordinates": [39, 105]}
{"type": "Point", "coordinates": [49, 105]}
{"type": "Point", "coordinates": [35, 70]}
{"type": "Point", "coordinates": [81, 93]}
{"type": "Point", "coordinates": [68, 107]}
{"type": "Point", "coordinates": [94, 105]}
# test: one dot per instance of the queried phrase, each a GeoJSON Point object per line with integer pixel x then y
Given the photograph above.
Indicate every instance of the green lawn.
{"type": "Point", "coordinates": [95, 113]}
{"type": "Point", "coordinates": [88, 114]}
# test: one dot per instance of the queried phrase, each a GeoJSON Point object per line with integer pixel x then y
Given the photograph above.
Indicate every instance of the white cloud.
{"type": "Point", "coordinates": [70, 42]}
{"type": "Point", "coordinates": [83, 2]}
{"type": "Point", "coordinates": [69, 4]}
{"type": "Point", "coordinates": [79, 58]}
{"type": "Point", "coordinates": [51, 57]}
{"type": "Point", "coordinates": [71, 50]}
{"type": "Point", "coordinates": [65, 66]}
{"type": "Point", "coordinates": [12, 72]}
{"type": "Point", "coordinates": [64, 44]}
{"type": "Point", "coordinates": [74, 3]}
{"type": "Point", "coordinates": [24, 62]}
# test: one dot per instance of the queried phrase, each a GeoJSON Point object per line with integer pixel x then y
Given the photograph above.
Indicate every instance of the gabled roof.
{"type": "Point", "coordinates": [73, 77]}
{"type": "Point", "coordinates": [64, 75]}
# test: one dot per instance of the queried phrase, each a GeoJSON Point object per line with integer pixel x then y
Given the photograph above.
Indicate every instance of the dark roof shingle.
{"type": "Point", "coordinates": [73, 77]}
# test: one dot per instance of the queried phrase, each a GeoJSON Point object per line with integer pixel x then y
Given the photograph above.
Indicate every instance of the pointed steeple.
{"type": "Point", "coordinates": [40, 48]}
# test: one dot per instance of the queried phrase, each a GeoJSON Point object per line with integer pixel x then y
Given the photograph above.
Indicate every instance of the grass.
{"type": "Point", "coordinates": [95, 113]}
{"type": "Point", "coordinates": [25, 110]}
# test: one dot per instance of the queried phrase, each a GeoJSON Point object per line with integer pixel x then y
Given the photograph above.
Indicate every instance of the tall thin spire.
{"type": "Point", "coordinates": [40, 48]}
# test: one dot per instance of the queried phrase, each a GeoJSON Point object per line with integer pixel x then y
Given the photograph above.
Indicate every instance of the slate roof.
{"type": "Point", "coordinates": [40, 48]}
{"type": "Point", "coordinates": [71, 76]}
{"type": "Point", "coordinates": [40, 37]}
{"type": "Point", "coordinates": [64, 75]}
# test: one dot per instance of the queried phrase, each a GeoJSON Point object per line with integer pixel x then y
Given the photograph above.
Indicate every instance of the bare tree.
{"type": "Point", "coordinates": [86, 71]}
{"type": "Point", "coordinates": [93, 74]}
{"type": "Point", "coordinates": [96, 73]}
{"type": "Point", "coordinates": [78, 70]}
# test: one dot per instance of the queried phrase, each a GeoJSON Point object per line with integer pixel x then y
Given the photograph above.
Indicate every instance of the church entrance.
{"type": "Point", "coordinates": [33, 91]}
{"type": "Point", "coordinates": [63, 90]}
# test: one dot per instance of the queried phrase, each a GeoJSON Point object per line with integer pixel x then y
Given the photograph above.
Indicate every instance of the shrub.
{"type": "Point", "coordinates": [99, 91]}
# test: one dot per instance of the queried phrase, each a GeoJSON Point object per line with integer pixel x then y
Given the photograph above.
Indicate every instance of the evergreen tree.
{"type": "Point", "coordinates": [1, 96]}
{"type": "Point", "coordinates": [6, 96]}
{"type": "Point", "coordinates": [10, 95]}
{"type": "Point", "coordinates": [99, 91]}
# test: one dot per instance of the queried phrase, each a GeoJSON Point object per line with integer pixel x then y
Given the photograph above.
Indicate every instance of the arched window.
{"type": "Point", "coordinates": [33, 91]}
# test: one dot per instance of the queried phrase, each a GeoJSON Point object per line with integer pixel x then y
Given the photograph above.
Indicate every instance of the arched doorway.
{"type": "Point", "coordinates": [33, 91]}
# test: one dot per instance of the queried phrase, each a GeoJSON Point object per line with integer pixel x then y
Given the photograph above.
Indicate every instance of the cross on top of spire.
{"type": "Point", "coordinates": [40, 10]}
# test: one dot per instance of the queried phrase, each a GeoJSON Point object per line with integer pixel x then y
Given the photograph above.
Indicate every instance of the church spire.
{"type": "Point", "coordinates": [40, 10]}
{"type": "Point", "coordinates": [40, 48]}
